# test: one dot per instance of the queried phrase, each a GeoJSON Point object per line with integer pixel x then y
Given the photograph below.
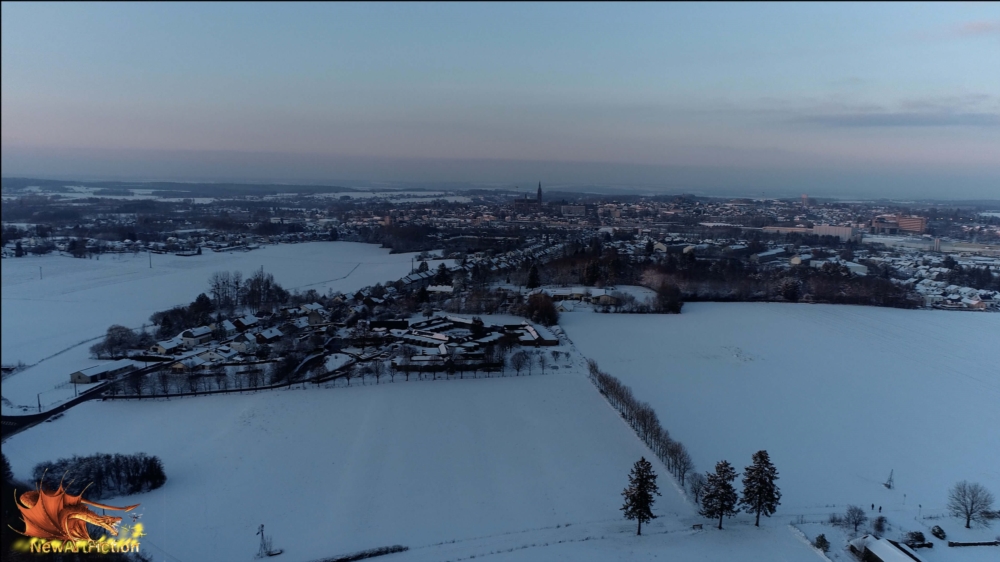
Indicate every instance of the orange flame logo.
{"type": "Point", "coordinates": [62, 516]}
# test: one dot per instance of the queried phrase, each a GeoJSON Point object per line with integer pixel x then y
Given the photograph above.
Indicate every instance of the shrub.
{"type": "Point", "coordinates": [821, 543]}
{"type": "Point", "coordinates": [836, 520]}
{"type": "Point", "coordinates": [915, 537]}
{"type": "Point", "coordinates": [938, 532]}
{"type": "Point", "coordinates": [102, 475]}
{"type": "Point", "coordinates": [879, 524]}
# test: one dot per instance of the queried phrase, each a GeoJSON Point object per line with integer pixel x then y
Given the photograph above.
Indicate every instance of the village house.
{"type": "Point", "coordinates": [269, 335]}
{"type": "Point", "coordinates": [196, 336]}
{"type": "Point", "coordinates": [246, 322]}
{"type": "Point", "coordinates": [168, 347]}
{"type": "Point", "coordinates": [244, 343]}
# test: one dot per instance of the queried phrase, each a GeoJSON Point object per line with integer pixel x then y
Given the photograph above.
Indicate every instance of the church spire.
{"type": "Point", "coordinates": [539, 193]}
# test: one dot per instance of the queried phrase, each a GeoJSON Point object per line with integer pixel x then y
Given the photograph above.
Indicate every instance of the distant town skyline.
{"type": "Point", "coordinates": [894, 100]}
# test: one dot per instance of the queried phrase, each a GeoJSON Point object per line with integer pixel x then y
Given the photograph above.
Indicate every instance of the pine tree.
{"type": "Point", "coordinates": [719, 497]}
{"type": "Point", "coordinates": [639, 494]}
{"type": "Point", "coordinates": [760, 494]}
{"type": "Point", "coordinates": [533, 280]}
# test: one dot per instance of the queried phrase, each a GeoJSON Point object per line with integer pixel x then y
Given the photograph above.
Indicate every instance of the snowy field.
{"type": "Point", "coordinates": [76, 300]}
{"type": "Point", "coordinates": [488, 463]}
{"type": "Point", "coordinates": [839, 395]}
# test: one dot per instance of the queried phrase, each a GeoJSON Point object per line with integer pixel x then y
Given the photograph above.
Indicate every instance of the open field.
{"type": "Point", "coordinates": [77, 299]}
{"type": "Point", "coordinates": [839, 395]}
{"type": "Point", "coordinates": [336, 470]}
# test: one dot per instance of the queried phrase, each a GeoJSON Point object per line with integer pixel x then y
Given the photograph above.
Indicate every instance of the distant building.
{"type": "Point", "coordinates": [529, 205]}
{"type": "Point", "coordinates": [101, 372]}
{"type": "Point", "coordinates": [845, 233]}
{"type": "Point", "coordinates": [787, 229]}
{"type": "Point", "coordinates": [916, 225]}
{"type": "Point", "coordinates": [894, 224]}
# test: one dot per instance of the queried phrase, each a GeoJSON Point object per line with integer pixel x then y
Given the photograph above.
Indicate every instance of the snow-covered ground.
{"type": "Point", "coordinates": [487, 463]}
{"type": "Point", "coordinates": [838, 395]}
{"type": "Point", "coordinates": [76, 300]}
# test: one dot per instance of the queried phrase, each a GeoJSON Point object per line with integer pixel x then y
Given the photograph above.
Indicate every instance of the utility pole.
{"type": "Point", "coordinates": [150, 258]}
{"type": "Point", "coordinates": [39, 397]}
{"type": "Point", "coordinates": [39, 273]}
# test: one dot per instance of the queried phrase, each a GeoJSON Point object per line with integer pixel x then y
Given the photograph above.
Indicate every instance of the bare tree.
{"type": "Point", "coordinates": [501, 360]}
{"type": "Point", "coordinates": [163, 377]}
{"type": "Point", "coordinates": [855, 516]}
{"type": "Point", "coordinates": [351, 372]}
{"type": "Point", "coordinates": [136, 383]}
{"type": "Point", "coordinates": [377, 369]}
{"type": "Point", "coordinates": [393, 368]}
{"type": "Point", "coordinates": [697, 483]}
{"type": "Point", "coordinates": [519, 360]}
{"type": "Point", "coordinates": [684, 464]}
{"type": "Point", "coordinates": [543, 362]}
{"type": "Point", "coordinates": [972, 501]}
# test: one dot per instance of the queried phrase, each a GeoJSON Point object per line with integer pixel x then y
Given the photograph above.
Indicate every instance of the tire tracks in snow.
{"type": "Point", "coordinates": [331, 280]}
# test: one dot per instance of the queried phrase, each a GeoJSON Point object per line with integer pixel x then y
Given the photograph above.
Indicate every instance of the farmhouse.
{"type": "Point", "coordinates": [245, 323]}
{"type": "Point", "coordinates": [101, 372]}
{"type": "Point", "coordinates": [196, 336]}
{"type": "Point", "coordinates": [874, 549]}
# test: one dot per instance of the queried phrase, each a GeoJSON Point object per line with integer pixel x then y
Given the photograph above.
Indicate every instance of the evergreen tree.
{"type": "Point", "coordinates": [760, 494]}
{"type": "Point", "coordinates": [639, 494]}
{"type": "Point", "coordinates": [533, 281]}
{"type": "Point", "coordinates": [443, 276]}
{"type": "Point", "coordinates": [18, 250]}
{"type": "Point", "coordinates": [719, 498]}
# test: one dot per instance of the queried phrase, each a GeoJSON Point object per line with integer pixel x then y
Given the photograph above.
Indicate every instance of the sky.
{"type": "Point", "coordinates": [827, 99]}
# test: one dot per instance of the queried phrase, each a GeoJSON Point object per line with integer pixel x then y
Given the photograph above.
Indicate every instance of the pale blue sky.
{"type": "Point", "coordinates": [770, 93]}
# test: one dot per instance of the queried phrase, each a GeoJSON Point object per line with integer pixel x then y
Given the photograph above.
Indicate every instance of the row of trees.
{"type": "Point", "coordinates": [102, 475]}
{"type": "Point", "coordinates": [719, 498]}
{"type": "Point", "coordinates": [644, 421]}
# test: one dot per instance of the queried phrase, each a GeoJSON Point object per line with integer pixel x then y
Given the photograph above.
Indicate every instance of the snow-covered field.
{"type": "Point", "coordinates": [839, 395]}
{"type": "Point", "coordinates": [77, 299]}
{"type": "Point", "coordinates": [489, 463]}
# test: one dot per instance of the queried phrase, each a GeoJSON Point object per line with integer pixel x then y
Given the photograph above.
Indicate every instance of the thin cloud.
{"type": "Point", "coordinates": [966, 30]}
{"type": "Point", "coordinates": [977, 28]}
{"type": "Point", "coordinates": [903, 119]}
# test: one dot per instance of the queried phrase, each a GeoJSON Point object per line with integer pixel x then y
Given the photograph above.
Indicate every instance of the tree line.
{"type": "Point", "coordinates": [643, 420]}
{"type": "Point", "coordinates": [102, 475]}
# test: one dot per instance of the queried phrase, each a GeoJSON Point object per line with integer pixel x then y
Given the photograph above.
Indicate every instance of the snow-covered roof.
{"type": "Point", "coordinates": [197, 332]}
{"type": "Point", "coordinates": [107, 367]}
{"type": "Point", "coordinates": [886, 550]}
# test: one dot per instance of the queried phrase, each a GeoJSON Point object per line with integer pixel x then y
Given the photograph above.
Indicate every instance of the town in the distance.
{"type": "Point", "coordinates": [223, 336]}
